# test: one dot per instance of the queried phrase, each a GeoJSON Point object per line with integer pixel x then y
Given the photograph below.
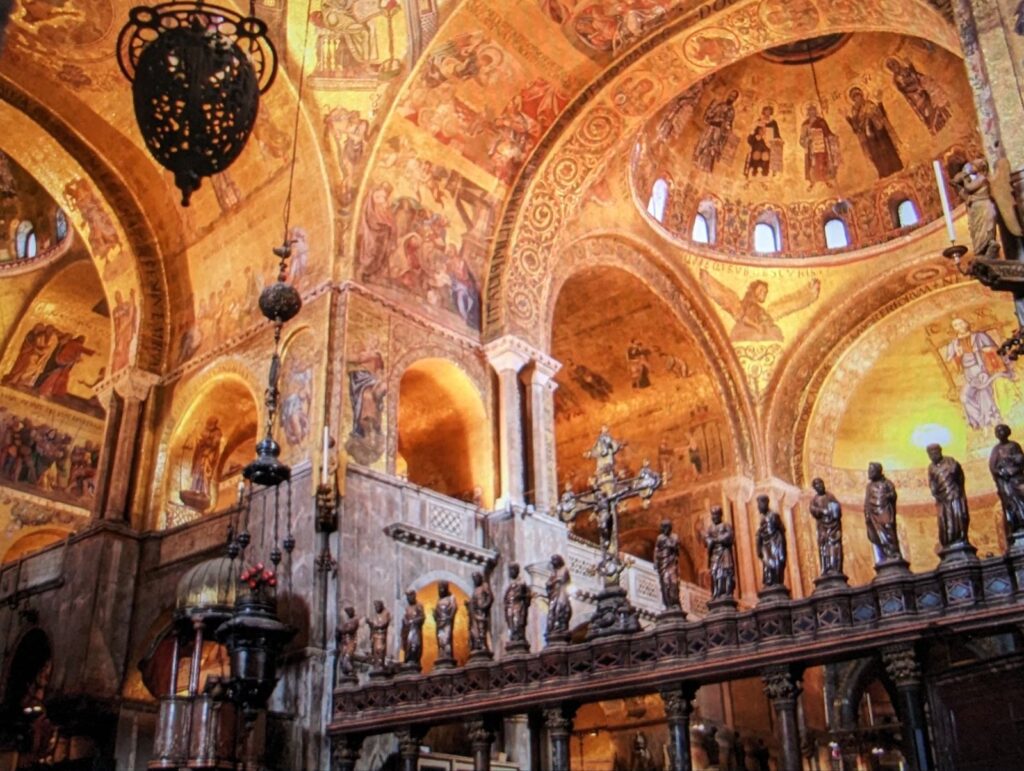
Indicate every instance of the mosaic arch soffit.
{"type": "Point", "coordinates": [588, 130]}
{"type": "Point", "coordinates": [801, 375]}
{"type": "Point", "coordinates": [127, 256]}
{"type": "Point", "coordinates": [680, 292]}
{"type": "Point", "coordinates": [116, 167]}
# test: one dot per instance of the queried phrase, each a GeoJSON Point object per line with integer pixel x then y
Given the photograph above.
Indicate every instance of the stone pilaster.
{"type": "Point", "coordinates": [125, 395]}
{"type": "Point", "coordinates": [542, 424]}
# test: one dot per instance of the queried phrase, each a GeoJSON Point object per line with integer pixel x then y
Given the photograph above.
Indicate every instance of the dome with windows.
{"type": "Point", "coordinates": [817, 147]}
{"type": "Point", "coordinates": [34, 229]}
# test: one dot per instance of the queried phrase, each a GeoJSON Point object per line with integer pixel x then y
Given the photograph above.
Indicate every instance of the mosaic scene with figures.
{"type": "Point", "coordinates": [562, 385]}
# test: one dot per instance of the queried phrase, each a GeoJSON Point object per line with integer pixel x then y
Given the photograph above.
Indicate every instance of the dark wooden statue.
{"type": "Point", "coordinates": [829, 515]}
{"type": "Point", "coordinates": [946, 480]}
{"type": "Point", "coordinates": [516, 603]}
{"type": "Point", "coordinates": [880, 516]}
{"type": "Point", "coordinates": [378, 624]}
{"type": "Point", "coordinates": [1007, 466]}
{"type": "Point", "coordinates": [444, 621]}
{"type": "Point", "coordinates": [412, 632]}
{"type": "Point", "coordinates": [480, 603]}
{"type": "Point", "coordinates": [347, 635]}
{"type": "Point", "coordinates": [719, 540]}
{"type": "Point", "coordinates": [666, 560]}
{"type": "Point", "coordinates": [559, 607]}
{"type": "Point", "coordinates": [771, 545]}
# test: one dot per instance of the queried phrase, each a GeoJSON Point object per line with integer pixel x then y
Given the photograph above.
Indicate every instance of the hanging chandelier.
{"type": "Point", "coordinates": [197, 72]}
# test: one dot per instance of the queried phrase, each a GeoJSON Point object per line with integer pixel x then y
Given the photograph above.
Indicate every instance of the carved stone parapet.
{"type": "Point", "coordinates": [424, 539]}
{"type": "Point", "coordinates": [762, 641]}
{"type": "Point", "coordinates": [901, 665]}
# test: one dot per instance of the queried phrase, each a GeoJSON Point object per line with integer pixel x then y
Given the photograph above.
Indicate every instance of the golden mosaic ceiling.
{"type": "Point", "coordinates": [844, 126]}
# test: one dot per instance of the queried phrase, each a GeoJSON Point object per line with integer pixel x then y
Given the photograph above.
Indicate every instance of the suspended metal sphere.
{"type": "Point", "coordinates": [197, 72]}
{"type": "Point", "coordinates": [280, 301]}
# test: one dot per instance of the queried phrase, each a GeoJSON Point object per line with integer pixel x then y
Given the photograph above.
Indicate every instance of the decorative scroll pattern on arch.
{"type": "Point", "coordinates": [679, 293]}
{"type": "Point", "coordinates": [799, 379]}
{"type": "Point", "coordinates": [549, 190]}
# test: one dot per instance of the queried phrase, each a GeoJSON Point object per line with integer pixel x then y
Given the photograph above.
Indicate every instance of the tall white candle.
{"type": "Point", "coordinates": [324, 468]}
{"type": "Point", "coordinates": [946, 211]}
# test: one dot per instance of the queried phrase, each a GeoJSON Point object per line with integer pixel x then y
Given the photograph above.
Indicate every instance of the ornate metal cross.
{"type": "Point", "coordinates": [607, 490]}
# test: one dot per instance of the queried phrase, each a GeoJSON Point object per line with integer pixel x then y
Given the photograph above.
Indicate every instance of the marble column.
{"type": "Point", "coordinates": [542, 427]}
{"type": "Point", "coordinates": [408, 748]}
{"type": "Point", "coordinates": [508, 355]}
{"type": "Point", "coordinates": [903, 669]}
{"type": "Point", "coordinates": [558, 722]}
{"type": "Point", "coordinates": [344, 753]}
{"type": "Point", "coordinates": [480, 739]}
{"type": "Point", "coordinates": [678, 702]}
{"type": "Point", "coordinates": [782, 688]}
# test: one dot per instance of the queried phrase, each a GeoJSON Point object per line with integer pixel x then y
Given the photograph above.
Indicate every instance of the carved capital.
{"type": "Point", "coordinates": [510, 354]}
{"type": "Point", "coordinates": [780, 684]}
{"type": "Point", "coordinates": [344, 752]}
{"type": "Point", "coordinates": [409, 742]}
{"type": "Point", "coordinates": [558, 722]}
{"type": "Point", "coordinates": [901, 665]}
{"type": "Point", "coordinates": [479, 733]}
{"type": "Point", "coordinates": [678, 701]}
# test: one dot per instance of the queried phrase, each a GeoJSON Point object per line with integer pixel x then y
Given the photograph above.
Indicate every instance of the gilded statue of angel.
{"type": "Point", "coordinates": [756, 321]}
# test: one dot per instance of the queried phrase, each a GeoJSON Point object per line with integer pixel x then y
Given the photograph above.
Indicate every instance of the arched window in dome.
{"type": "Point", "coordinates": [26, 244]}
{"type": "Point", "coordinates": [704, 223]}
{"type": "Point", "coordinates": [906, 213]}
{"type": "Point", "coordinates": [60, 225]}
{"type": "Point", "coordinates": [701, 231]}
{"type": "Point", "coordinates": [836, 235]}
{"type": "Point", "coordinates": [658, 200]}
{"type": "Point", "coordinates": [767, 233]}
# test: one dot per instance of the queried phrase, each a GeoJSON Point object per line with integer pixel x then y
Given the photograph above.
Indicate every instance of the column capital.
{"type": "Point", "coordinates": [786, 495]}
{"type": "Point", "coordinates": [511, 353]}
{"type": "Point", "coordinates": [544, 370]}
{"type": "Point", "coordinates": [780, 683]}
{"type": "Point", "coordinates": [479, 733]}
{"type": "Point", "coordinates": [678, 700]}
{"type": "Point", "coordinates": [739, 489]}
{"type": "Point", "coordinates": [558, 721]}
{"type": "Point", "coordinates": [128, 383]}
{"type": "Point", "coordinates": [901, 665]}
{"type": "Point", "coordinates": [409, 742]}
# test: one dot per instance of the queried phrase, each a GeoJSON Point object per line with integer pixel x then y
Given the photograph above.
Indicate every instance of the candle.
{"type": "Point", "coordinates": [946, 211]}
{"type": "Point", "coordinates": [324, 468]}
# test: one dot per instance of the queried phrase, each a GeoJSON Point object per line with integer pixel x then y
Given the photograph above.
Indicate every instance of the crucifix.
{"type": "Point", "coordinates": [608, 488]}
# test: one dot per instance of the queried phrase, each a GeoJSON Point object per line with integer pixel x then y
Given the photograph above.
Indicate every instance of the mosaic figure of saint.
{"type": "Point", "coordinates": [718, 120]}
{"type": "Point", "coordinates": [765, 140]}
{"type": "Point", "coordinates": [821, 148]}
{"type": "Point", "coordinates": [922, 93]}
{"type": "Point", "coordinates": [877, 137]}
{"type": "Point", "coordinates": [976, 357]}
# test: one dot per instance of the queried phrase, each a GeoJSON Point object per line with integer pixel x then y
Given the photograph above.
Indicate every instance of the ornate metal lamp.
{"type": "Point", "coordinates": [197, 72]}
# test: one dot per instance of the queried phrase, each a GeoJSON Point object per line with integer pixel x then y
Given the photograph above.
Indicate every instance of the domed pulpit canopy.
{"type": "Point", "coordinates": [208, 590]}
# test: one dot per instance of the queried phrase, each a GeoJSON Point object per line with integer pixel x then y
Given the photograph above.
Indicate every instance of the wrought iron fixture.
{"type": "Point", "coordinates": [609, 490]}
{"type": "Point", "coordinates": [197, 72]}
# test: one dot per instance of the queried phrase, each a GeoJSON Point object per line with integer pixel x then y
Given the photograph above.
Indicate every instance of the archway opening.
{"type": "Point", "coordinates": [209, 447]}
{"type": "Point", "coordinates": [443, 435]}
{"type": "Point", "coordinates": [629, 363]}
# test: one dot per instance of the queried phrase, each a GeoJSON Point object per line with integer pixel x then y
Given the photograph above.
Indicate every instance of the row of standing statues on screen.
{"type": "Point", "coordinates": [947, 484]}
{"type": "Point", "coordinates": [516, 606]}
{"type": "Point", "coordinates": [946, 481]}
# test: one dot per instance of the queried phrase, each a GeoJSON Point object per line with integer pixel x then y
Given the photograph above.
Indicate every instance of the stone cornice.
{"type": "Point", "coordinates": [448, 547]}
